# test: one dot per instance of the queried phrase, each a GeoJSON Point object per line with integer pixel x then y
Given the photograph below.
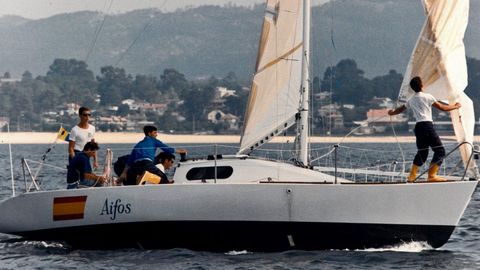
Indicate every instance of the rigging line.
{"type": "Point", "coordinates": [315, 62]}
{"type": "Point", "coordinates": [98, 24]}
{"type": "Point", "coordinates": [379, 151]}
{"type": "Point", "coordinates": [310, 67]}
{"type": "Point", "coordinates": [97, 33]}
{"type": "Point", "coordinates": [310, 100]}
{"type": "Point", "coordinates": [139, 35]}
{"type": "Point", "coordinates": [275, 61]}
{"type": "Point", "coordinates": [331, 25]}
{"type": "Point", "coordinates": [47, 165]}
{"type": "Point", "coordinates": [324, 155]}
{"type": "Point", "coordinates": [105, 5]}
{"type": "Point", "coordinates": [353, 130]}
{"type": "Point", "coordinates": [327, 125]}
{"type": "Point", "coordinates": [398, 143]}
{"type": "Point", "coordinates": [11, 159]}
{"type": "Point", "coordinates": [332, 19]}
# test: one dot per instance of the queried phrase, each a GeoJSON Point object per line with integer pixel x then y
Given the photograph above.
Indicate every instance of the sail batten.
{"type": "Point", "coordinates": [282, 57]}
{"type": "Point", "coordinates": [439, 59]}
{"type": "Point", "coordinates": [275, 93]}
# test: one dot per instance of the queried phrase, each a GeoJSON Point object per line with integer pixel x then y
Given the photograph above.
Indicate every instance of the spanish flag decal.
{"type": "Point", "coordinates": [68, 208]}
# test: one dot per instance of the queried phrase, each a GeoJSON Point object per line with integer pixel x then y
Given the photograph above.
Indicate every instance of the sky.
{"type": "Point", "coordinates": [35, 9]}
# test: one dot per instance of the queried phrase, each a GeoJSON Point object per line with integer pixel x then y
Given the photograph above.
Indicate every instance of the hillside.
{"type": "Point", "coordinates": [212, 40]}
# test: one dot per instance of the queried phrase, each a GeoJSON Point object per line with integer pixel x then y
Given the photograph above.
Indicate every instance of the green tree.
{"type": "Point", "coordinates": [145, 88]}
{"type": "Point", "coordinates": [20, 109]}
{"type": "Point", "coordinates": [74, 80]}
{"type": "Point", "coordinates": [70, 68]}
{"type": "Point", "coordinates": [172, 80]}
{"type": "Point", "coordinates": [220, 127]}
{"type": "Point", "coordinates": [387, 85]}
{"type": "Point", "coordinates": [167, 122]}
{"type": "Point", "coordinates": [316, 85]}
{"type": "Point", "coordinates": [40, 90]}
{"type": "Point", "coordinates": [349, 85]}
{"type": "Point", "coordinates": [114, 85]}
{"type": "Point", "coordinates": [196, 102]}
{"type": "Point", "coordinates": [27, 76]}
{"type": "Point", "coordinates": [236, 105]}
{"type": "Point", "coordinates": [123, 110]}
{"type": "Point", "coordinates": [218, 116]}
{"type": "Point", "coordinates": [473, 88]}
{"type": "Point", "coordinates": [6, 104]}
{"type": "Point", "coordinates": [231, 82]}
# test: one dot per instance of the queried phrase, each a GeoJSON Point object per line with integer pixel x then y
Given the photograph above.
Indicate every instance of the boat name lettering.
{"type": "Point", "coordinates": [112, 208]}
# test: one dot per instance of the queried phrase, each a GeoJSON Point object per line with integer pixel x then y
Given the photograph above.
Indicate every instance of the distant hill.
{"type": "Point", "coordinates": [212, 40]}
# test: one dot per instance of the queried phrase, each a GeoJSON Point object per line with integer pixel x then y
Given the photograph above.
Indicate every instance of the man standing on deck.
{"type": "Point", "coordinates": [143, 154]}
{"type": "Point", "coordinates": [81, 134]}
{"type": "Point", "coordinates": [421, 105]}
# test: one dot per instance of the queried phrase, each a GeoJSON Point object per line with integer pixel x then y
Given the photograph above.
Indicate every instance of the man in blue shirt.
{"type": "Point", "coordinates": [80, 171]}
{"type": "Point", "coordinates": [143, 154]}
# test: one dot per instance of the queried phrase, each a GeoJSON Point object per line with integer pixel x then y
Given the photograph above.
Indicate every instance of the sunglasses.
{"type": "Point", "coordinates": [86, 114]}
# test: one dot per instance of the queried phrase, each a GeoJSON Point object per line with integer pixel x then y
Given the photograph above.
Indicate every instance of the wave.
{"type": "Point", "coordinates": [414, 247]}
{"type": "Point", "coordinates": [235, 253]}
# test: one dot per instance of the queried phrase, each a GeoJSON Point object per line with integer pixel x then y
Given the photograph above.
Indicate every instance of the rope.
{"type": "Point", "coordinates": [332, 71]}
{"type": "Point", "coordinates": [327, 154]}
{"type": "Point", "coordinates": [331, 26]}
{"type": "Point", "coordinates": [138, 37]}
{"type": "Point", "coordinates": [46, 164]}
{"type": "Point", "coordinates": [398, 143]}
{"type": "Point", "coordinates": [353, 130]}
{"type": "Point", "coordinates": [107, 169]}
{"type": "Point", "coordinates": [97, 32]}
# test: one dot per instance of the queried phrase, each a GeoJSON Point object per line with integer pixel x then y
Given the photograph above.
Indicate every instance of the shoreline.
{"type": "Point", "coordinates": [132, 138]}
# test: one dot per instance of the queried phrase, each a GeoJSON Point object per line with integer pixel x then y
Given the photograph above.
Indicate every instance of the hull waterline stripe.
{"type": "Point", "coordinates": [253, 236]}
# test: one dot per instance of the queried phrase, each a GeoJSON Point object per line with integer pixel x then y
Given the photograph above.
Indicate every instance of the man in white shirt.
{"type": "Point", "coordinates": [421, 105]}
{"type": "Point", "coordinates": [81, 134]}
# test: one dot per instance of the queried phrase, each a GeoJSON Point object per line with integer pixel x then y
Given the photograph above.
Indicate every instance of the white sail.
{"type": "Point", "coordinates": [439, 59]}
{"type": "Point", "coordinates": [275, 92]}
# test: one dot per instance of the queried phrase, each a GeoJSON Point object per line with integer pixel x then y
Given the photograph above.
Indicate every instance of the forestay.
{"type": "Point", "coordinates": [439, 59]}
{"type": "Point", "coordinates": [275, 92]}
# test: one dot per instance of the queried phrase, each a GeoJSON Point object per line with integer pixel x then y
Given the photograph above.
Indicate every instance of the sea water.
{"type": "Point", "coordinates": [461, 252]}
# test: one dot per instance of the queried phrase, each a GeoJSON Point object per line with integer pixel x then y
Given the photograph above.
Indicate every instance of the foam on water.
{"type": "Point", "coordinates": [51, 245]}
{"type": "Point", "coordinates": [235, 253]}
{"type": "Point", "coordinates": [404, 247]}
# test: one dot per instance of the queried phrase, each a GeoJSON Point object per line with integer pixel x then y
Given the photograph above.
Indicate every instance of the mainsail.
{"type": "Point", "coordinates": [275, 92]}
{"type": "Point", "coordinates": [439, 59]}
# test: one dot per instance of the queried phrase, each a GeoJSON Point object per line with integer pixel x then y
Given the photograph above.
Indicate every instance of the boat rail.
{"type": "Point", "coordinates": [357, 167]}
{"type": "Point", "coordinates": [31, 177]}
{"type": "Point", "coordinates": [397, 171]}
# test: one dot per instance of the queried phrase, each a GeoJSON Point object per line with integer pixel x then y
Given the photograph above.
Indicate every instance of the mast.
{"type": "Point", "coordinates": [303, 127]}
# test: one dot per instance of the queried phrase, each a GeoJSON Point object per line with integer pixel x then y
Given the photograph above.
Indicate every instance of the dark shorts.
{"type": "Point", "coordinates": [427, 138]}
{"type": "Point", "coordinates": [138, 168]}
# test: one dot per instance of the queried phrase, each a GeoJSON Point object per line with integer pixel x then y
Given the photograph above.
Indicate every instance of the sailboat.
{"type": "Point", "coordinates": [239, 202]}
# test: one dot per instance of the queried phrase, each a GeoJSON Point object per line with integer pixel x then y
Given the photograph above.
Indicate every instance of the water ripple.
{"type": "Point", "coordinates": [461, 252]}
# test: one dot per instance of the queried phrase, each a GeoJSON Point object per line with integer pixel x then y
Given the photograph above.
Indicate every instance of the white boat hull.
{"type": "Point", "coordinates": [260, 216]}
